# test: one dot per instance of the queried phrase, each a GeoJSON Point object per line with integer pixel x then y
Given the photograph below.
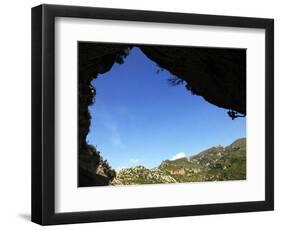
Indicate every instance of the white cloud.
{"type": "Point", "coordinates": [120, 168]}
{"type": "Point", "coordinates": [132, 160]}
{"type": "Point", "coordinates": [178, 155]}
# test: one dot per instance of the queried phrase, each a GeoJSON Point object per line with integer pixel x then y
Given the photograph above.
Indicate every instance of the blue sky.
{"type": "Point", "coordinates": [140, 119]}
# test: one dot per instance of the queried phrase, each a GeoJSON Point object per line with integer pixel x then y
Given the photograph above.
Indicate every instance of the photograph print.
{"type": "Point", "coordinates": [160, 114]}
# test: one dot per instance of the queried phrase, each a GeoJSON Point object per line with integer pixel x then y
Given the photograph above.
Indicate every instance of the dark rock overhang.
{"type": "Point", "coordinates": [216, 74]}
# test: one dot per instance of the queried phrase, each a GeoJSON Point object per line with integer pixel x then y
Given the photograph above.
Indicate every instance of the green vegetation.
{"type": "Point", "coordinates": [214, 164]}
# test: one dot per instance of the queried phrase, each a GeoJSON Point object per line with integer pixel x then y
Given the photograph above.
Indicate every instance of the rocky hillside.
{"type": "Point", "coordinates": [214, 164]}
{"type": "Point", "coordinates": [142, 175]}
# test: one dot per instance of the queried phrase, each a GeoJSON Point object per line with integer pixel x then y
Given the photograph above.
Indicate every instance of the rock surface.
{"type": "Point", "coordinates": [93, 169]}
{"type": "Point", "coordinates": [218, 75]}
{"type": "Point", "coordinates": [142, 175]}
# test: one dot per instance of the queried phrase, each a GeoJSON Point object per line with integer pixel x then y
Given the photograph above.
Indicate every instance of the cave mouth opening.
{"type": "Point", "coordinates": [103, 65]}
{"type": "Point", "coordinates": [133, 93]}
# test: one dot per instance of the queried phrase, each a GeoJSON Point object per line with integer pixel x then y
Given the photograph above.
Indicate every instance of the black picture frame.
{"type": "Point", "coordinates": [43, 114]}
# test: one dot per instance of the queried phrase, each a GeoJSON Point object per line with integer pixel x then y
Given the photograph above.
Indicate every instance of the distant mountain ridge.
{"type": "Point", "coordinates": [214, 164]}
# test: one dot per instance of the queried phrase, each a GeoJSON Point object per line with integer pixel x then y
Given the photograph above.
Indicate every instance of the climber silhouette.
{"type": "Point", "coordinates": [233, 114]}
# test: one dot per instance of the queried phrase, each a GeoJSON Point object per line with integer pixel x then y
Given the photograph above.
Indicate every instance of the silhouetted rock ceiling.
{"type": "Point", "coordinates": [218, 75]}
